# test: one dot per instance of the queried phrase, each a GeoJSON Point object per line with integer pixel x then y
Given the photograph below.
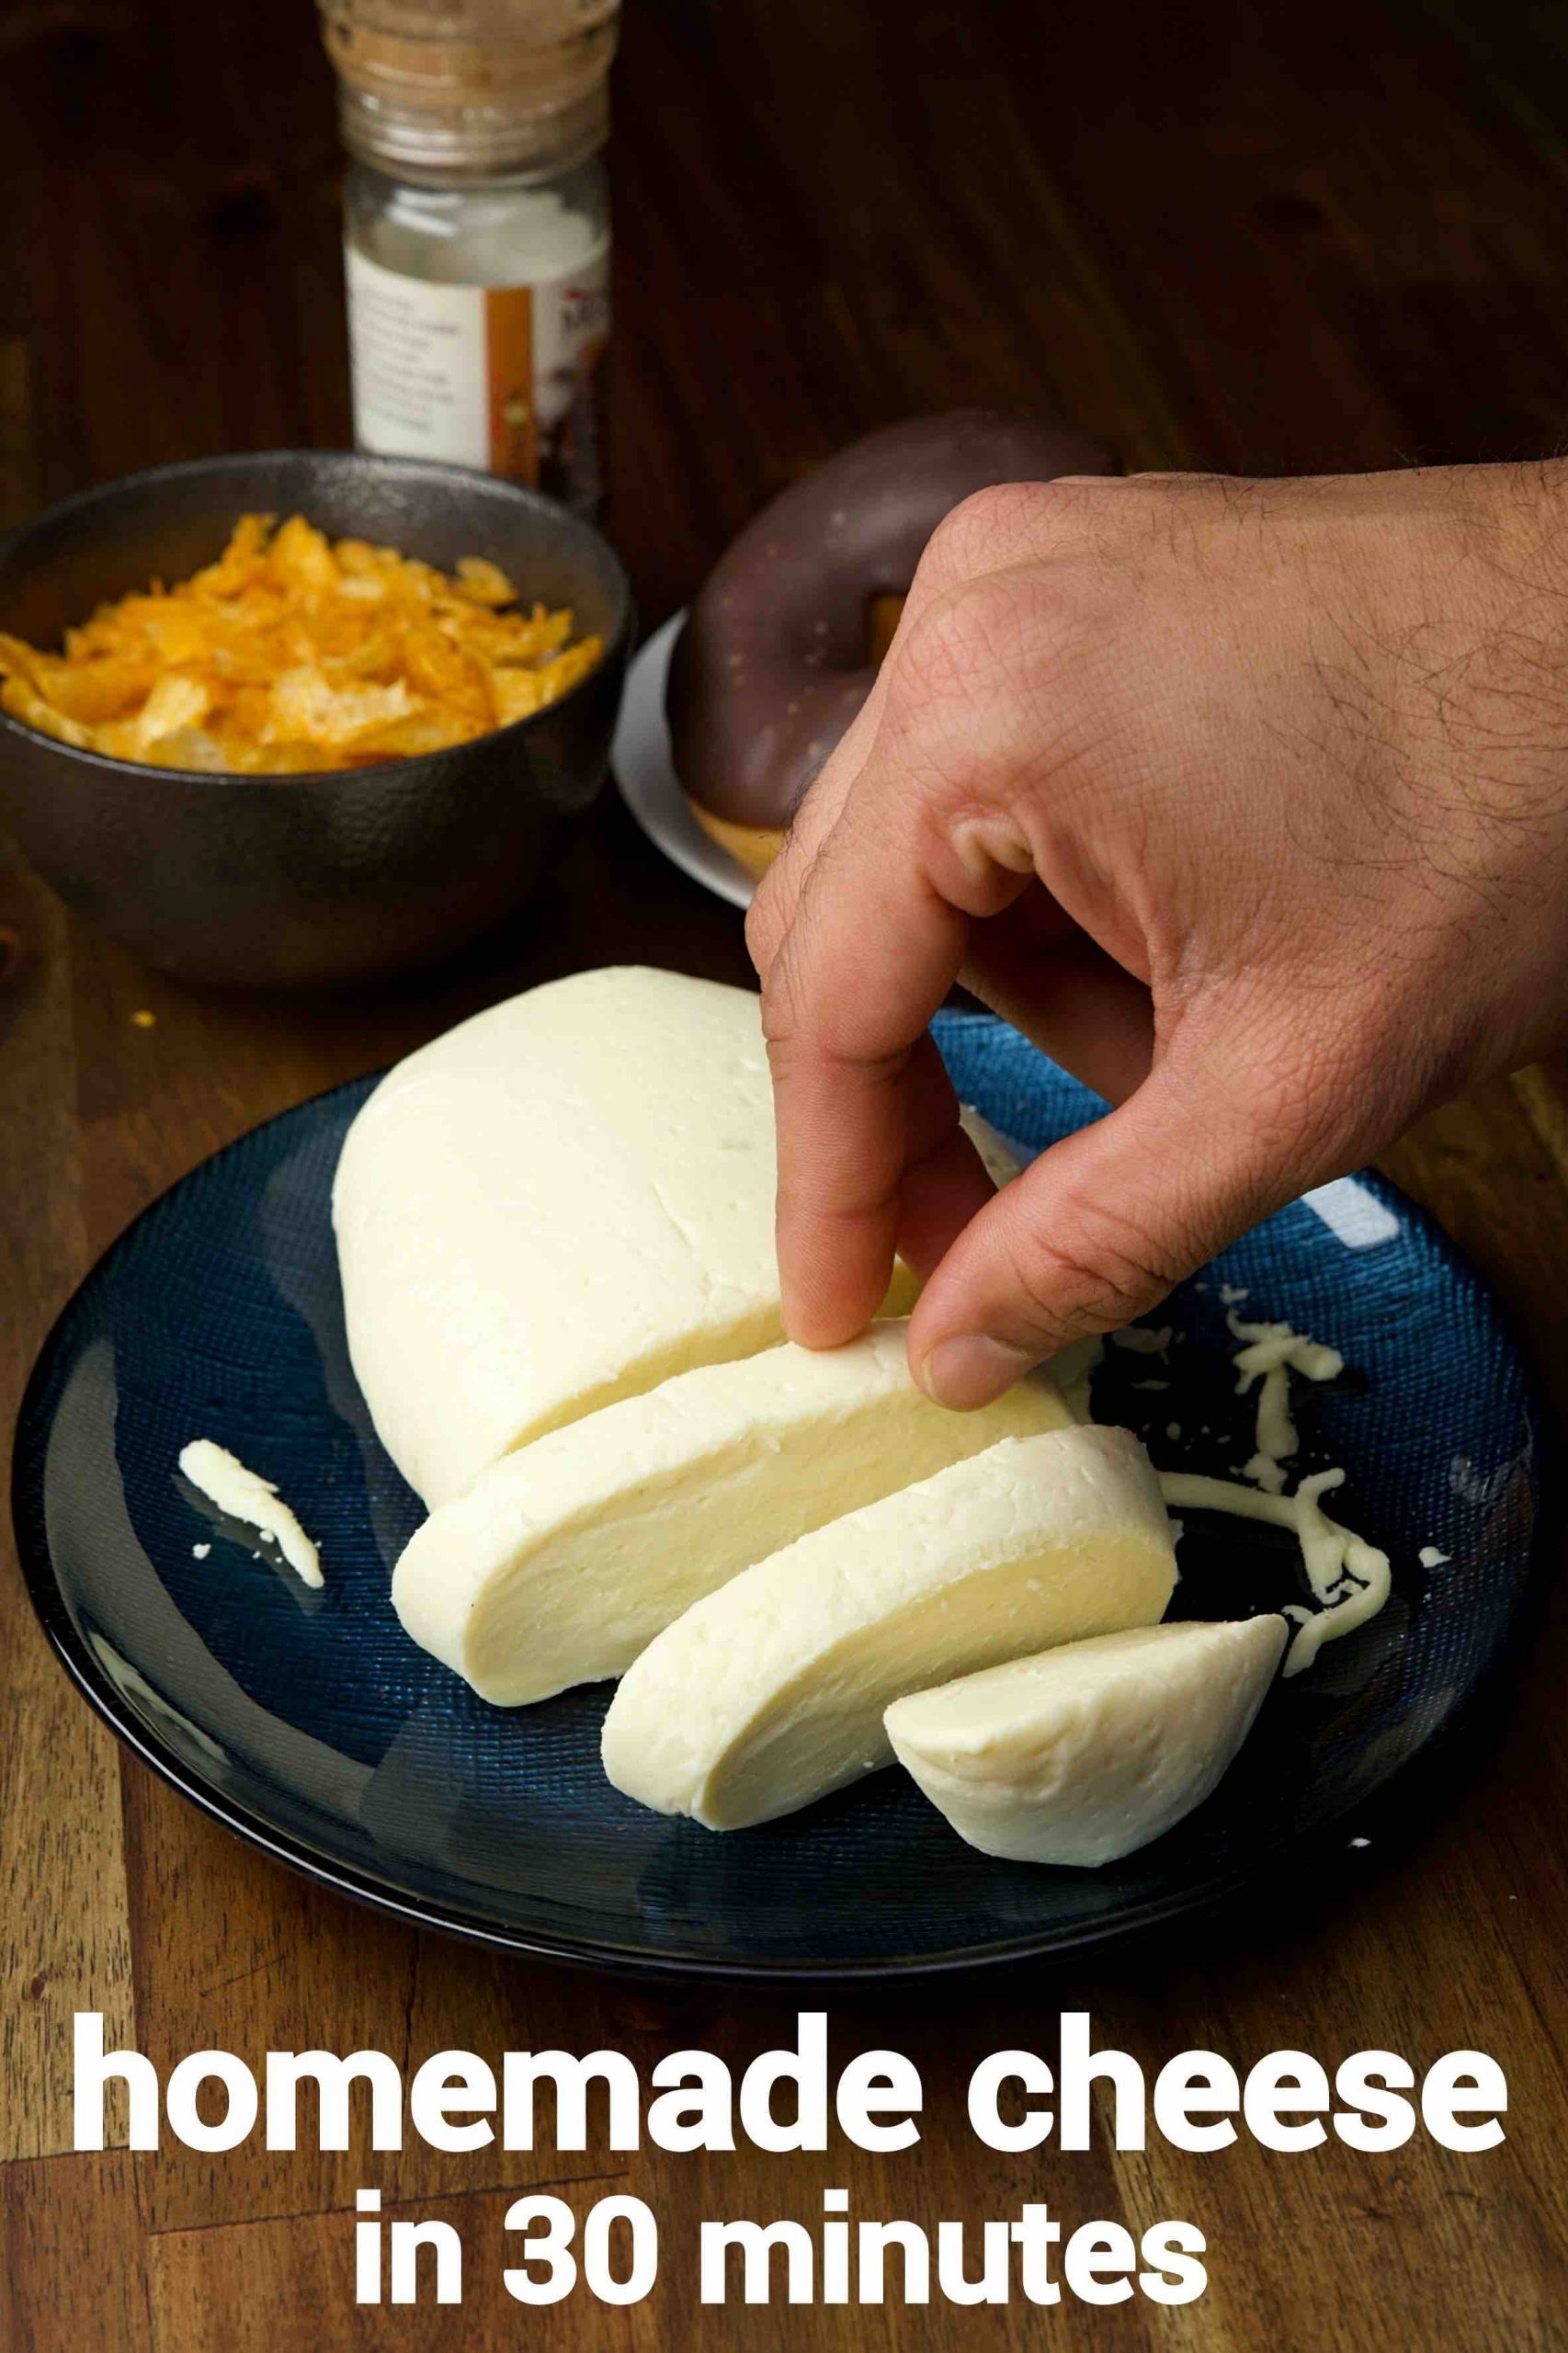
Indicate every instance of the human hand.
{"type": "Point", "coordinates": [1247, 801]}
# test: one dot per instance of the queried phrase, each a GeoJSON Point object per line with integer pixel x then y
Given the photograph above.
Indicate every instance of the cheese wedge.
{"type": "Point", "coordinates": [565, 1559]}
{"type": "Point", "coordinates": [1093, 1749]}
{"type": "Point", "coordinates": [561, 1203]}
{"type": "Point", "coordinates": [770, 1691]}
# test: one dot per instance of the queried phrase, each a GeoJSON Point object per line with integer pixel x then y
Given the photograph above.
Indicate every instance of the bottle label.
{"type": "Point", "coordinates": [500, 376]}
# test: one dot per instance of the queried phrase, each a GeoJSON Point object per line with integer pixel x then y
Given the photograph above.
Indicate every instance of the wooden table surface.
{"type": "Point", "coordinates": [1233, 235]}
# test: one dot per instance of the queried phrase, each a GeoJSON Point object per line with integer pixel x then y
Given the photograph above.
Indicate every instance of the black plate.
{"type": "Point", "coordinates": [310, 1723]}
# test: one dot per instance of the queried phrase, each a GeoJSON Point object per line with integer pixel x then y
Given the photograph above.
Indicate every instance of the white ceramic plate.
{"type": "Point", "coordinates": [645, 774]}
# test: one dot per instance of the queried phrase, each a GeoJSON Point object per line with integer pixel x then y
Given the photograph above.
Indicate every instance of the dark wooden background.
{"type": "Point", "coordinates": [1238, 235]}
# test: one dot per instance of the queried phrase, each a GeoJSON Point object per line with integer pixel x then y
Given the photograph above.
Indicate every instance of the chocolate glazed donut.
{"type": "Point", "coordinates": [775, 659]}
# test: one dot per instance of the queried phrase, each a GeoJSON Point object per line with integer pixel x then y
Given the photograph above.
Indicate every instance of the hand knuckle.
{"type": "Point", "coordinates": [1110, 1272]}
{"type": "Point", "coordinates": [993, 525]}
{"type": "Point", "coordinates": [780, 1006]}
{"type": "Point", "coordinates": [765, 921]}
{"type": "Point", "coordinates": [967, 642]}
{"type": "Point", "coordinates": [1303, 1079]}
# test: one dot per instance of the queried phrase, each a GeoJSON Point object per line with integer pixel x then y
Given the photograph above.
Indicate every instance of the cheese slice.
{"type": "Point", "coordinates": [1093, 1749]}
{"type": "Point", "coordinates": [567, 1558]}
{"type": "Point", "coordinates": [559, 1203]}
{"type": "Point", "coordinates": [770, 1691]}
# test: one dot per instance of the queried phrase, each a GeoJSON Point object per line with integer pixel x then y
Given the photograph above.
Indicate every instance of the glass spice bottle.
{"type": "Point", "coordinates": [476, 231]}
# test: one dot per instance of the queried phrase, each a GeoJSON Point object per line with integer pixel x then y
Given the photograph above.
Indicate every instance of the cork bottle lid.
{"type": "Point", "coordinates": [445, 91]}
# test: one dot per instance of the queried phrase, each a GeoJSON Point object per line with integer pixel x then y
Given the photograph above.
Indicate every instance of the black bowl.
{"type": "Point", "coordinates": [332, 877]}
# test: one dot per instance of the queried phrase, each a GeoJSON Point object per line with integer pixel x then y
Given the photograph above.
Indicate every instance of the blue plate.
{"type": "Point", "coordinates": [311, 1724]}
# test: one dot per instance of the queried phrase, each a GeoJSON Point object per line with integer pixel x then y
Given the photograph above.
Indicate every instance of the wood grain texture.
{"type": "Point", "coordinates": [64, 1941]}
{"type": "Point", "coordinates": [1240, 238]}
{"type": "Point", "coordinates": [73, 2261]}
{"type": "Point", "coordinates": [64, 1936]}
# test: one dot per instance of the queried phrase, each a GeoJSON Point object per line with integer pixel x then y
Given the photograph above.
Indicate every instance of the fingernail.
{"type": "Point", "coordinates": [971, 1369]}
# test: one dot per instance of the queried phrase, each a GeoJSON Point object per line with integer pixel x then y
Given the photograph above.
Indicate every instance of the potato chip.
{"type": "Point", "coordinates": [484, 580]}
{"type": "Point", "coordinates": [308, 709]}
{"type": "Point", "coordinates": [293, 654]}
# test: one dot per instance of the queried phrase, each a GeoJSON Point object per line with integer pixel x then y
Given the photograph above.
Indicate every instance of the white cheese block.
{"type": "Point", "coordinates": [997, 1157]}
{"type": "Point", "coordinates": [567, 1558]}
{"type": "Point", "coordinates": [559, 1203]}
{"type": "Point", "coordinates": [770, 1691]}
{"type": "Point", "coordinates": [1093, 1749]}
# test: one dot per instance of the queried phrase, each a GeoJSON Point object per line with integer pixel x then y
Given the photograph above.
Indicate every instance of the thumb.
{"type": "Point", "coordinates": [1102, 1225]}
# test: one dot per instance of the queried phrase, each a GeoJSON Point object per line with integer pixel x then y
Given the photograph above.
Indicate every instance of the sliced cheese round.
{"type": "Point", "coordinates": [559, 1203]}
{"type": "Point", "coordinates": [565, 1559]}
{"type": "Point", "coordinates": [1096, 1747]}
{"type": "Point", "coordinates": [770, 1691]}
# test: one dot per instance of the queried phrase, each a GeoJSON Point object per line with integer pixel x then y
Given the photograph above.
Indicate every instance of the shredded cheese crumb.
{"type": "Point", "coordinates": [224, 1479]}
{"type": "Point", "coordinates": [1350, 1579]}
{"type": "Point", "coordinates": [1139, 1340]}
{"type": "Point", "coordinates": [1270, 1353]}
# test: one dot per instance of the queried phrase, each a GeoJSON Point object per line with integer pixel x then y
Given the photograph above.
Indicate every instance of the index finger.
{"type": "Point", "coordinates": [868, 955]}
{"type": "Point", "coordinates": [778, 895]}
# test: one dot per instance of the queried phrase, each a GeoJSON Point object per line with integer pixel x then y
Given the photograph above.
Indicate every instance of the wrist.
{"type": "Point", "coordinates": [1476, 641]}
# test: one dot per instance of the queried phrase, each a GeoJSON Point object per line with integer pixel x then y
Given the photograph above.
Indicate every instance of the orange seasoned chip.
{"type": "Point", "coordinates": [307, 708]}
{"type": "Point", "coordinates": [303, 560]}
{"type": "Point", "coordinates": [401, 739]}
{"type": "Point", "coordinates": [292, 654]}
{"type": "Point", "coordinates": [93, 691]}
{"type": "Point", "coordinates": [484, 581]}
{"type": "Point", "coordinates": [23, 702]}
